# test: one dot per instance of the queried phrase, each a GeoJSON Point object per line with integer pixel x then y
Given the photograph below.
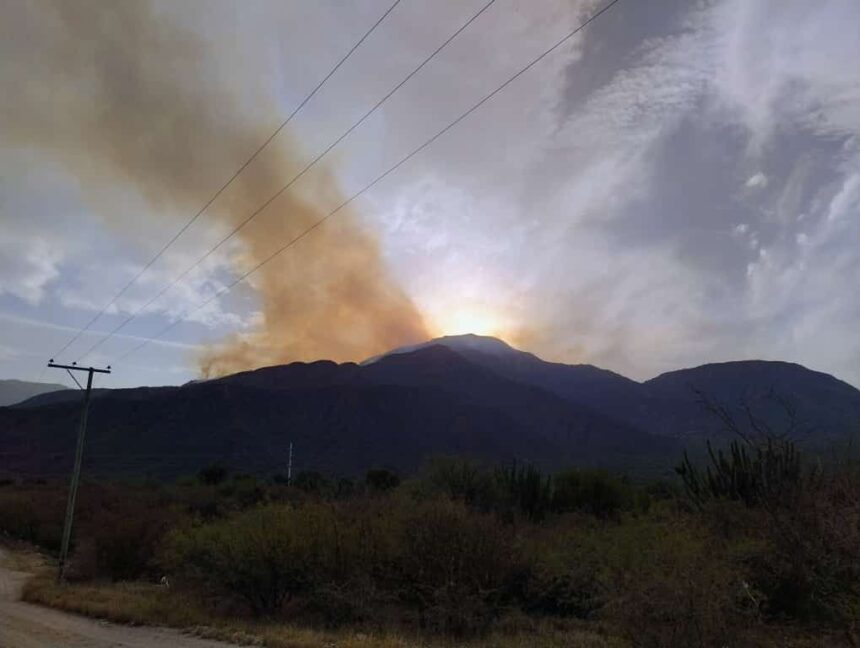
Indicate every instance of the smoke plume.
{"type": "Point", "coordinates": [123, 96]}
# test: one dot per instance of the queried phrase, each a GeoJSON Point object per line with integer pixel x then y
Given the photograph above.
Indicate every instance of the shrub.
{"type": "Point", "coordinates": [461, 480]}
{"type": "Point", "coordinates": [311, 481]}
{"type": "Point", "coordinates": [526, 490]}
{"type": "Point", "coordinates": [263, 555]}
{"type": "Point", "coordinates": [591, 491]}
{"type": "Point", "coordinates": [244, 490]}
{"type": "Point", "coordinates": [564, 563]}
{"type": "Point", "coordinates": [452, 566]}
{"type": "Point", "coordinates": [809, 567]}
{"type": "Point", "coordinates": [33, 515]}
{"type": "Point", "coordinates": [768, 473]}
{"type": "Point", "coordinates": [381, 480]}
{"type": "Point", "coordinates": [667, 584]}
{"type": "Point", "coordinates": [213, 474]}
{"type": "Point", "coordinates": [126, 541]}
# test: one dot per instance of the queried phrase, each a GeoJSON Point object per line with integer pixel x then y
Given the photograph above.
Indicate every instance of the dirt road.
{"type": "Point", "coordinates": [23, 625]}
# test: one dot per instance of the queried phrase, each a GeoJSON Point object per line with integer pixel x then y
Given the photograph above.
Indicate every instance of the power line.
{"type": "Point", "coordinates": [223, 187]}
{"type": "Point", "coordinates": [289, 184]}
{"type": "Point", "coordinates": [378, 179]}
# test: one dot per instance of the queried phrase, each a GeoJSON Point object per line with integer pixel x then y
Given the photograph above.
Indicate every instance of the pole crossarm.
{"type": "Point", "coordinates": [74, 367]}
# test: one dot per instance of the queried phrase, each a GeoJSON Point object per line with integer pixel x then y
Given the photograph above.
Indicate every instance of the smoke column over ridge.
{"type": "Point", "coordinates": [122, 96]}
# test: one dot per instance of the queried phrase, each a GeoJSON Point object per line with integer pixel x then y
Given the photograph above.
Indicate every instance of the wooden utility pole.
{"type": "Point", "coordinates": [290, 466]}
{"type": "Point", "coordinates": [79, 453]}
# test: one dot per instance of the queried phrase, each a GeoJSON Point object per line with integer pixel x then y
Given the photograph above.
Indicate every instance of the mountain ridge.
{"type": "Point", "coordinates": [13, 391]}
{"type": "Point", "coordinates": [455, 395]}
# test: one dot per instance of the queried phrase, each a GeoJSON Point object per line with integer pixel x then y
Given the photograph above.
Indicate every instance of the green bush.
{"type": "Point", "coordinates": [564, 568]}
{"type": "Point", "coordinates": [809, 567]}
{"type": "Point", "coordinates": [591, 491]}
{"type": "Point", "coordinates": [263, 555]}
{"type": "Point", "coordinates": [525, 490]}
{"type": "Point", "coordinates": [454, 567]}
{"type": "Point", "coordinates": [213, 474]}
{"type": "Point", "coordinates": [667, 583]}
{"type": "Point", "coordinates": [311, 481]}
{"type": "Point", "coordinates": [462, 480]}
{"type": "Point", "coordinates": [381, 480]}
{"type": "Point", "coordinates": [34, 515]}
{"type": "Point", "coordinates": [126, 541]}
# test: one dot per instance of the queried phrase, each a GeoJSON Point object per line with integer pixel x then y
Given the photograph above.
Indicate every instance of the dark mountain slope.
{"type": "Point", "coordinates": [341, 419]}
{"type": "Point", "coordinates": [15, 391]}
{"type": "Point", "coordinates": [824, 408]}
{"type": "Point", "coordinates": [462, 395]}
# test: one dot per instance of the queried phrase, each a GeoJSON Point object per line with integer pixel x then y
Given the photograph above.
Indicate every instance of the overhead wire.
{"type": "Point", "coordinates": [559, 43]}
{"type": "Point", "coordinates": [224, 186]}
{"type": "Point", "coordinates": [289, 184]}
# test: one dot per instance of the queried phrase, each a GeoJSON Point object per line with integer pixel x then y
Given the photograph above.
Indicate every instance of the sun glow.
{"type": "Point", "coordinates": [459, 321]}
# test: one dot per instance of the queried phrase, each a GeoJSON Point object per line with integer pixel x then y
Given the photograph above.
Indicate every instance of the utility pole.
{"type": "Point", "coordinates": [290, 466]}
{"type": "Point", "coordinates": [79, 453]}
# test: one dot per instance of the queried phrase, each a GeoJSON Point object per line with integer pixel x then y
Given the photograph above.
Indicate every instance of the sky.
{"type": "Point", "coordinates": [678, 184]}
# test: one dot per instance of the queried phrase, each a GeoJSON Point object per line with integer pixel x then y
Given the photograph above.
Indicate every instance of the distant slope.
{"type": "Point", "coordinates": [341, 419]}
{"type": "Point", "coordinates": [458, 395]}
{"type": "Point", "coordinates": [824, 408]}
{"type": "Point", "coordinates": [15, 391]}
{"type": "Point", "coordinates": [585, 384]}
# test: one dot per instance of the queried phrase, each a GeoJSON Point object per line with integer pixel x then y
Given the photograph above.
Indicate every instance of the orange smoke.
{"type": "Point", "coordinates": [123, 96]}
{"type": "Point", "coordinates": [329, 296]}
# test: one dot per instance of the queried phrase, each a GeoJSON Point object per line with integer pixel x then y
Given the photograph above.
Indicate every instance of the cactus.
{"type": "Point", "coordinates": [770, 473]}
{"type": "Point", "coordinates": [527, 489]}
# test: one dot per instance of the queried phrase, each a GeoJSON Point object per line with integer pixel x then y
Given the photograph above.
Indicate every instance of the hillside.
{"type": "Point", "coordinates": [464, 395]}
{"type": "Point", "coordinates": [15, 391]}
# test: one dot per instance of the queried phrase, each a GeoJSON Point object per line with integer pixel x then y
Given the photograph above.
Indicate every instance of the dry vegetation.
{"type": "Point", "coordinates": [467, 555]}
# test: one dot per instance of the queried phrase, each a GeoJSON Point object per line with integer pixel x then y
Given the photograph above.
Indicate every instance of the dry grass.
{"type": "Point", "coordinates": [148, 604]}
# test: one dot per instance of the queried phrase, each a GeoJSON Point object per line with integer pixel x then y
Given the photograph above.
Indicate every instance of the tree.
{"type": "Point", "coordinates": [213, 474]}
{"type": "Point", "coordinates": [380, 479]}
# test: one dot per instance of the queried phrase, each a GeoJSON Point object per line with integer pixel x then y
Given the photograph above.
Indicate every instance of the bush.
{"type": "Point", "coordinates": [454, 567]}
{"type": "Point", "coordinates": [564, 570]}
{"type": "Point", "coordinates": [770, 473]}
{"type": "Point", "coordinates": [591, 491]}
{"type": "Point", "coordinates": [126, 542]}
{"type": "Point", "coordinates": [460, 479]}
{"type": "Point", "coordinates": [213, 474]}
{"type": "Point", "coordinates": [667, 583]}
{"type": "Point", "coordinates": [381, 480]}
{"type": "Point", "coordinates": [809, 567]}
{"type": "Point", "coordinates": [33, 515]}
{"type": "Point", "coordinates": [526, 490]}
{"type": "Point", "coordinates": [311, 481]}
{"type": "Point", "coordinates": [263, 555]}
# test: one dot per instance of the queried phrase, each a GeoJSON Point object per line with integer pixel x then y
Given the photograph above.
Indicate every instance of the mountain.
{"type": "Point", "coordinates": [584, 384]}
{"type": "Point", "coordinates": [341, 418]}
{"type": "Point", "coordinates": [820, 408]}
{"type": "Point", "coordinates": [465, 395]}
{"type": "Point", "coordinates": [823, 408]}
{"type": "Point", "coordinates": [15, 391]}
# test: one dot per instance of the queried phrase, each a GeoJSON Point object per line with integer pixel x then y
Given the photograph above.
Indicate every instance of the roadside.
{"type": "Point", "coordinates": [24, 625]}
{"type": "Point", "coordinates": [39, 624]}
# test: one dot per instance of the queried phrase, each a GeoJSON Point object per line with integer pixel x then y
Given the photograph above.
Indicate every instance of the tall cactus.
{"type": "Point", "coordinates": [526, 488]}
{"type": "Point", "coordinates": [770, 473]}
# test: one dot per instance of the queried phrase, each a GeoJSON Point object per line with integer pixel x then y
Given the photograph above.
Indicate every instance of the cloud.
{"type": "Point", "coordinates": [27, 266]}
{"type": "Point", "coordinates": [755, 181]}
